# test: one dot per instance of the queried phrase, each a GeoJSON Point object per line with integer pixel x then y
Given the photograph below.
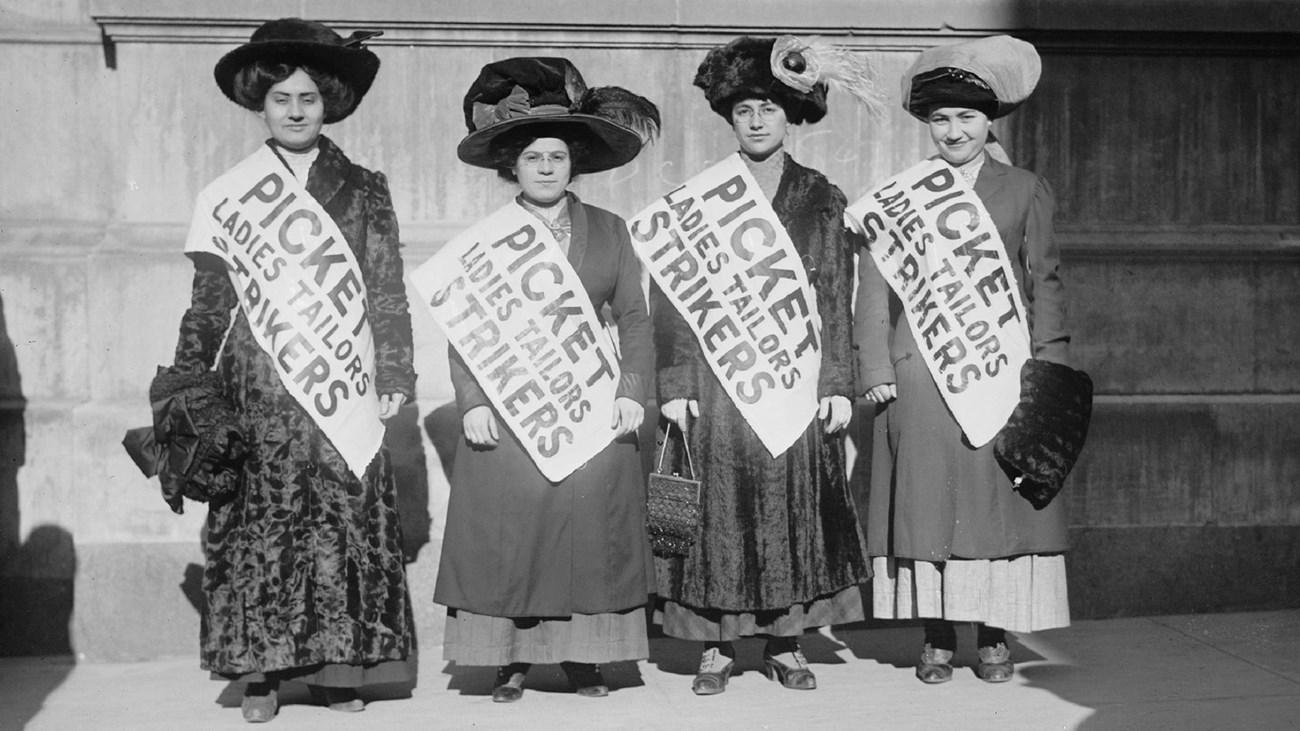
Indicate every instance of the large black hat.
{"type": "Point", "coordinates": [994, 75]}
{"type": "Point", "coordinates": [307, 43]}
{"type": "Point", "coordinates": [1041, 441]}
{"type": "Point", "coordinates": [612, 123]}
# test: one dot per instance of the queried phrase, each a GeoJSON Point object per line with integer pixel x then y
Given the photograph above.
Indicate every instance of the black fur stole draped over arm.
{"type": "Point", "coordinates": [812, 211]}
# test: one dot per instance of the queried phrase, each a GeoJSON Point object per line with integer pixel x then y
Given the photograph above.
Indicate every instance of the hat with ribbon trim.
{"type": "Point", "coordinates": [994, 75]}
{"type": "Point", "coordinates": [549, 97]}
{"type": "Point", "coordinates": [299, 42]}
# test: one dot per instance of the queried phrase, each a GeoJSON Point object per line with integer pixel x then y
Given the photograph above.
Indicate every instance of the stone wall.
{"type": "Point", "coordinates": [1168, 137]}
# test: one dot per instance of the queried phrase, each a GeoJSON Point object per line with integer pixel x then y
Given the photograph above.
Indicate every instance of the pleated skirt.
{"type": "Point", "coordinates": [1020, 593]}
{"type": "Point", "coordinates": [479, 639]}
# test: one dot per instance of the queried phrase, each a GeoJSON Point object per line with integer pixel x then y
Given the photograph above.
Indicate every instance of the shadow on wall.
{"type": "Point", "coordinates": [36, 576]}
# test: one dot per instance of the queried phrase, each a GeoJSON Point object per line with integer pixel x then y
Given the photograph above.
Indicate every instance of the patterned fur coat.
{"type": "Point", "coordinates": [304, 566]}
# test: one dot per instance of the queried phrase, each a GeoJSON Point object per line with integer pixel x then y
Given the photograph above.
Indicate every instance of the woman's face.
{"type": "Point", "coordinates": [544, 169]}
{"type": "Point", "coordinates": [294, 112]}
{"type": "Point", "coordinates": [959, 133]}
{"type": "Point", "coordinates": [760, 126]}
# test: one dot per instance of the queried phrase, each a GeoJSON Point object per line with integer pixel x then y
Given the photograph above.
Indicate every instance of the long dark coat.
{"type": "Point", "coordinates": [304, 565]}
{"type": "Point", "coordinates": [776, 531]}
{"type": "Point", "coordinates": [932, 495]}
{"type": "Point", "coordinates": [519, 545]}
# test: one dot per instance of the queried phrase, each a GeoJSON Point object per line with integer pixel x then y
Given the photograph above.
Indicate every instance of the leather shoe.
{"type": "Point", "coordinates": [509, 685]}
{"type": "Point", "coordinates": [344, 700]}
{"type": "Point", "coordinates": [995, 664]}
{"type": "Point", "coordinates": [935, 665]}
{"type": "Point", "coordinates": [260, 703]}
{"type": "Point", "coordinates": [586, 678]}
{"type": "Point", "coordinates": [796, 677]}
{"type": "Point", "coordinates": [715, 669]}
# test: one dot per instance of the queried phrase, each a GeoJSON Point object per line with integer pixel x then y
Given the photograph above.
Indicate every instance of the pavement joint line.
{"type": "Point", "coordinates": [1158, 621]}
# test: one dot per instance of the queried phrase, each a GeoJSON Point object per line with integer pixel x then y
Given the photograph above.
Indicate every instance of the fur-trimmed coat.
{"type": "Point", "coordinates": [304, 566]}
{"type": "Point", "coordinates": [776, 531]}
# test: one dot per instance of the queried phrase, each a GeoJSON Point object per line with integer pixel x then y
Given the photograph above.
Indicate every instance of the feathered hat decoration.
{"type": "Point", "coordinates": [527, 91]}
{"type": "Point", "coordinates": [803, 63]}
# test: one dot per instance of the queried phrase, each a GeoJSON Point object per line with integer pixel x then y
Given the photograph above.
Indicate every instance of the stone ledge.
{"type": "Point", "coordinates": [1217, 25]}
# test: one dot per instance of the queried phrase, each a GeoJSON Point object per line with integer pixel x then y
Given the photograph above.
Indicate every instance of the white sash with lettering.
{"type": "Point", "coordinates": [716, 249]}
{"type": "Point", "coordinates": [937, 246]}
{"type": "Point", "coordinates": [303, 294]}
{"type": "Point", "coordinates": [514, 309]}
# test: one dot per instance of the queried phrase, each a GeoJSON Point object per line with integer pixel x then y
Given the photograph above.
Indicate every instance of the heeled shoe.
{"type": "Point", "coordinates": [715, 670]}
{"type": "Point", "coordinates": [995, 664]}
{"type": "Point", "coordinates": [935, 666]}
{"type": "Point", "coordinates": [261, 702]}
{"type": "Point", "coordinates": [586, 678]}
{"type": "Point", "coordinates": [509, 685]}
{"type": "Point", "coordinates": [798, 677]}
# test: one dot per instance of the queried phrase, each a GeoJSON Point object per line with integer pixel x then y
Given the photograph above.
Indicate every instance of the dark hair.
{"type": "Point", "coordinates": [254, 81]}
{"type": "Point", "coordinates": [509, 146]}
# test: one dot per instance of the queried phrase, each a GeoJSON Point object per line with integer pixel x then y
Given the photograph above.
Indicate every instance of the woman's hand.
{"type": "Point", "coordinates": [627, 415]}
{"type": "Point", "coordinates": [389, 403]}
{"type": "Point", "coordinates": [836, 411]}
{"type": "Point", "coordinates": [480, 427]}
{"type": "Point", "coordinates": [677, 410]}
{"type": "Point", "coordinates": [882, 394]}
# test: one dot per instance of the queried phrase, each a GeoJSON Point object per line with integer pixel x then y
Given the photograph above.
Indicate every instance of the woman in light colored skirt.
{"type": "Point", "coordinates": [950, 539]}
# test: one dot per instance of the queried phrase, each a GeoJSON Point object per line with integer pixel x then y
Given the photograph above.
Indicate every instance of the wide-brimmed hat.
{"type": "Point", "coordinates": [994, 75]}
{"type": "Point", "coordinates": [610, 122]}
{"type": "Point", "coordinates": [305, 43]}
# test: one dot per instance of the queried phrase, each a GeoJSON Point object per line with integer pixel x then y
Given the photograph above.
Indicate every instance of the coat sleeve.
{"type": "Point", "coordinates": [834, 288]}
{"type": "Point", "coordinates": [390, 320]}
{"type": "Point", "coordinates": [1046, 291]}
{"type": "Point", "coordinates": [204, 324]}
{"type": "Point", "coordinates": [679, 364]}
{"type": "Point", "coordinates": [628, 307]}
{"type": "Point", "coordinates": [468, 393]}
{"type": "Point", "coordinates": [872, 331]}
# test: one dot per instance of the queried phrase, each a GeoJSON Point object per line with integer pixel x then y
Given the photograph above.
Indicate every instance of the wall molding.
{"type": "Point", "coordinates": [1100, 26]}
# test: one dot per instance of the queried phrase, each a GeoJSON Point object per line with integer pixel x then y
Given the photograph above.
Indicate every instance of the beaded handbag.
{"type": "Point", "coordinates": [672, 505]}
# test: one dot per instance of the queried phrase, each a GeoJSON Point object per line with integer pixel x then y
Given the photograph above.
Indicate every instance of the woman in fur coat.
{"type": "Point", "coordinates": [304, 578]}
{"type": "Point", "coordinates": [780, 550]}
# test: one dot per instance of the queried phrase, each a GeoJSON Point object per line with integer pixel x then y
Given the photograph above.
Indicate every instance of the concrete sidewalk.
{"type": "Point", "coordinates": [1191, 673]}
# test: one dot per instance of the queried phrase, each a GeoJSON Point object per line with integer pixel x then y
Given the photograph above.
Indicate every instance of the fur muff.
{"type": "Point", "coordinates": [1045, 434]}
{"type": "Point", "coordinates": [742, 70]}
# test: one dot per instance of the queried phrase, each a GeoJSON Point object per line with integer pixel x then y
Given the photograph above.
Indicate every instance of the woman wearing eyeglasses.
{"type": "Point", "coordinates": [535, 571]}
{"type": "Point", "coordinates": [780, 550]}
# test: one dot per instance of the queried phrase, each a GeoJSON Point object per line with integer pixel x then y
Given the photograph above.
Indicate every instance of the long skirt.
{"type": "Point", "coordinates": [532, 569]}
{"type": "Point", "coordinates": [1021, 594]}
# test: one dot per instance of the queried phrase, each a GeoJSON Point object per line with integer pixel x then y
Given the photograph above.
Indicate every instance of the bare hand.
{"type": "Point", "coordinates": [882, 394]}
{"type": "Point", "coordinates": [627, 416]}
{"type": "Point", "coordinates": [389, 403]}
{"type": "Point", "coordinates": [480, 427]}
{"type": "Point", "coordinates": [677, 410]}
{"type": "Point", "coordinates": [836, 412]}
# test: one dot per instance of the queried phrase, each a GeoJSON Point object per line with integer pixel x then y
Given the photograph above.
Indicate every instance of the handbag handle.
{"type": "Point", "coordinates": [668, 433]}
